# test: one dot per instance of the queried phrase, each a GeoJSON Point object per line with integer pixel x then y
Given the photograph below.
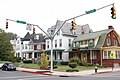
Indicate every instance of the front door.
{"type": "Point", "coordinates": [84, 57]}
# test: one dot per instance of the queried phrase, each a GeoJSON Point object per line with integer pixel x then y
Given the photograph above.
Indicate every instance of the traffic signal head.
{"type": "Point", "coordinates": [33, 30]}
{"type": "Point", "coordinates": [73, 25]}
{"type": "Point", "coordinates": [6, 23]}
{"type": "Point", "coordinates": [113, 13]}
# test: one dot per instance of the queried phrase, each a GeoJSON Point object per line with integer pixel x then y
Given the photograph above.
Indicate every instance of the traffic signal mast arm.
{"type": "Point", "coordinates": [87, 12]}
{"type": "Point", "coordinates": [91, 11]}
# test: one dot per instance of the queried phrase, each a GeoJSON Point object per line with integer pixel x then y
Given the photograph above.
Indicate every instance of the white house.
{"type": "Point", "coordinates": [30, 47]}
{"type": "Point", "coordinates": [63, 39]}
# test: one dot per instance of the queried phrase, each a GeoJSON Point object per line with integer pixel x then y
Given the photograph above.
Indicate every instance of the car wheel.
{"type": "Point", "coordinates": [6, 69]}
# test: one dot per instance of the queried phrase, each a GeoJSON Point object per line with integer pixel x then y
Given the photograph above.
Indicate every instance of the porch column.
{"type": "Point", "coordinates": [101, 56]}
{"type": "Point", "coordinates": [33, 55]}
{"type": "Point", "coordinates": [91, 55]}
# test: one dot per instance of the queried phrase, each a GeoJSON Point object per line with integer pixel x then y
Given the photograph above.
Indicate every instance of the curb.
{"type": "Point", "coordinates": [37, 72]}
{"type": "Point", "coordinates": [101, 72]}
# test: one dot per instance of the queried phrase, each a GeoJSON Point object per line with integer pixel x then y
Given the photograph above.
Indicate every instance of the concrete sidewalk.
{"type": "Point", "coordinates": [63, 74]}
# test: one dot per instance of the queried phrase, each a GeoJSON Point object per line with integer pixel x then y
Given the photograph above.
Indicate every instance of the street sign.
{"type": "Point", "coordinates": [22, 22]}
{"type": "Point", "coordinates": [90, 11]}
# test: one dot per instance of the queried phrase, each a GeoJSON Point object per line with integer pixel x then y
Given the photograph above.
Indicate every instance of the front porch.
{"type": "Point", "coordinates": [89, 56]}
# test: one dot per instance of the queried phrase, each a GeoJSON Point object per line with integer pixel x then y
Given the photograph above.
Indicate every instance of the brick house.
{"type": "Point", "coordinates": [101, 47]}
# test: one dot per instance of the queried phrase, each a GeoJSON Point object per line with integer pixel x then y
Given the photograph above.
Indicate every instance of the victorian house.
{"type": "Point", "coordinates": [63, 39]}
{"type": "Point", "coordinates": [30, 47]}
{"type": "Point", "coordinates": [101, 47]}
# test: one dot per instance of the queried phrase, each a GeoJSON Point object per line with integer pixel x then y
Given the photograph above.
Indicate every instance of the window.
{"type": "Point", "coordinates": [91, 41]}
{"type": "Point", "coordinates": [109, 52]}
{"type": "Point", "coordinates": [105, 54]}
{"type": "Point", "coordinates": [60, 41]}
{"type": "Point", "coordinates": [85, 42]}
{"type": "Point", "coordinates": [115, 43]}
{"type": "Point", "coordinates": [69, 42]}
{"type": "Point", "coordinates": [81, 42]}
{"type": "Point", "coordinates": [74, 44]}
{"type": "Point", "coordinates": [18, 47]}
{"type": "Point", "coordinates": [55, 43]}
{"type": "Point", "coordinates": [94, 55]}
{"type": "Point", "coordinates": [117, 54]}
{"type": "Point", "coordinates": [48, 44]}
{"type": "Point", "coordinates": [108, 43]}
{"type": "Point", "coordinates": [25, 46]}
{"type": "Point", "coordinates": [77, 44]}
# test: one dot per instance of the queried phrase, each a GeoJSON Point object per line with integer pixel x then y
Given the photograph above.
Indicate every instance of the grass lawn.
{"type": "Point", "coordinates": [29, 65]}
{"type": "Point", "coordinates": [65, 67]}
{"type": "Point", "coordinates": [60, 67]}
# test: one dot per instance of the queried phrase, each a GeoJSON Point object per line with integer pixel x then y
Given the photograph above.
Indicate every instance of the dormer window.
{"type": "Point", "coordinates": [91, 41]}
{"type": "Point", "coordinates": [115, 43]}
{"type": "Point", "coordinates": [108, 43]}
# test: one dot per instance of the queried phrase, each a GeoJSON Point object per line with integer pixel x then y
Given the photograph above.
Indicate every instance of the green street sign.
{"type": "Point", "coordinates": [22, 22]}
{"type": "Point", "coordinates": [90, 11]}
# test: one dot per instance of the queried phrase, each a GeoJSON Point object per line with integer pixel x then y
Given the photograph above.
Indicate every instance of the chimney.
{"type": "Point", "coordinates": [110, 27]}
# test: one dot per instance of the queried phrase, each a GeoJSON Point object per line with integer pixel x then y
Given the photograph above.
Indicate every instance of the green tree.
{"type": "Point", "coordinates": [6, 47]}
{"type": "Point", "coordinates": [44, 61]}
{"type": "Point", "coordinates": [11, 36]}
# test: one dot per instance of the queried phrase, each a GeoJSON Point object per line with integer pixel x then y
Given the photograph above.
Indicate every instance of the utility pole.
{"type": "Point", "coordinates": [52, 37]}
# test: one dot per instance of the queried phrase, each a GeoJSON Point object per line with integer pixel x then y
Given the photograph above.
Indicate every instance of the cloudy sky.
{"type": "Point", "coordinates": [45, 13]}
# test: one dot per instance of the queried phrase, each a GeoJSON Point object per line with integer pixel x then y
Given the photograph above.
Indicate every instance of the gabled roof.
{"type": "Point", "coordinates": [66, 28]}
{"type": "Point", "coordinates": [92, 35]}
{"type": "Point", "coordinates": [34, 37]}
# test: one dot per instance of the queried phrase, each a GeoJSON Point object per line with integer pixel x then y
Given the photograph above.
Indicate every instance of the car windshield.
{"type": "Point", "coordinates": [11, 65]}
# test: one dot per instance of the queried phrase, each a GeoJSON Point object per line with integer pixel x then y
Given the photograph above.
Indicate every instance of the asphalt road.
{"type": "Point", "coordinates": [16, 75]}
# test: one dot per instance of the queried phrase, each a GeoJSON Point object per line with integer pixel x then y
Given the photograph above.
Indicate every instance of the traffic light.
{"type": "Point", "coordinates": [6, 23]}
{"type": "Point", "coordinates": [113, 12]}
{"type": "Point", "coordinates": [33, 30]}
{"type": "Point", "coordinates": [73, 24]}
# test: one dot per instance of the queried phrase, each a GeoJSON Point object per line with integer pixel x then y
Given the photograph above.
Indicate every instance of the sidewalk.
{"type": "Point", "coordinates": [63, 74]}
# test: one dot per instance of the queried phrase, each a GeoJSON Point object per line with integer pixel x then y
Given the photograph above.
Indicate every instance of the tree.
{"type": "Point", "coordinates": [44, 61]}
{"type": "Point", "coordinates": [11, 36]}
{"type": "Point", "coordinates": [6, 47]}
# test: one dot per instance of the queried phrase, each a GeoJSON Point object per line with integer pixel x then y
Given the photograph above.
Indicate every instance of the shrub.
{"type": "Point", "coordinates": [18, 59]}
{"type": "Point", "coordinates": [54, 63]}
{"type": "Point", "coordinates": [64, 63]}
{"type": "Point", "coordinates": [83, 64]}
{"type": "Point", "coordinates": [75, 59]}
{"type": "Point", "coordinates": [72, 70]}
{"type": "Point", "coordinates": [44, 61]}
{"type": "Point", "coordinates": [27, 61]}
{"type": "Point", "coordinates": [72, 64]}
{"type": "Point", "coordinates": [89, 64]}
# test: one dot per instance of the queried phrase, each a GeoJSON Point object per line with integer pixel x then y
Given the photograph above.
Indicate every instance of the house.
{"type": "Point", "coordinates": [63, 39]}
{"type": "Point", "coordinates": [101, 47]}
{"type": "Point", "coordinates": [30, 47]}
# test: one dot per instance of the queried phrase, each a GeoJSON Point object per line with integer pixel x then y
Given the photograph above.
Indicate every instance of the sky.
{"type": "Point", "coordinates": [45, 13]}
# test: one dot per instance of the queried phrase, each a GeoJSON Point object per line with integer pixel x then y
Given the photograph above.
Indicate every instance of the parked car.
{"type": "Point", "coordinates": [8, 67]}
{"type": "Point", "coordinates": [1, 64]}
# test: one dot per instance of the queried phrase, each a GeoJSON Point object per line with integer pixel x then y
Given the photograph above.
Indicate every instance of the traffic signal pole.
{"type": "Point", "coordinates": [51, 37]}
